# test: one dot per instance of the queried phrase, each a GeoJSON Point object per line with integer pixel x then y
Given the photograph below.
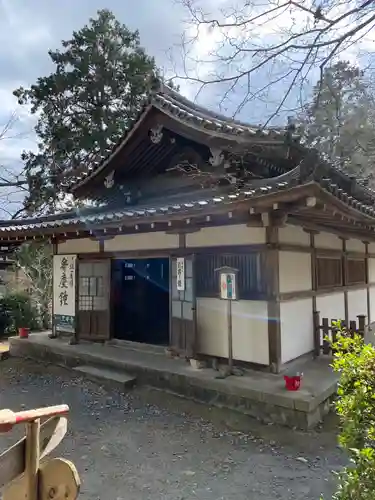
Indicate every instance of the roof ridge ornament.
{"type": "Point", "coordinates": [109, 181]}
{"type": "Point", "coordinates": [156, 133]}
{"type": "Point", "coordinates": [311, 168]}
{"type": "Point", "coordinates": [217, 157]}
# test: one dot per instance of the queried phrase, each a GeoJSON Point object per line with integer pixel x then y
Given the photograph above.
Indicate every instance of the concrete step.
{"type": "Point", "coordinates": [138, 346]}
{"type": "Point", "coordinates": [107, 376]}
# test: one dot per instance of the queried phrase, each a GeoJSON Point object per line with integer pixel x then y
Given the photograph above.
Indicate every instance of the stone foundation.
{"type": "Point", "coordinates": [280, 407]}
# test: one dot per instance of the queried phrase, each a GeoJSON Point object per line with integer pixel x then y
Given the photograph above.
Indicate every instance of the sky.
{"type": "Point", "coordinates": [29, 28]}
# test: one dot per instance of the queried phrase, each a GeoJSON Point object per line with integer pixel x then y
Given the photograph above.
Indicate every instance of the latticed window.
{"type": "Point", "coordinates": [355, 271]}
{"type": "Point", "coordinates": [329, 272]}
{"type": "Point", "coordinates": [251, 283]}
{"type": "Point", "coordinates": [92, 293]}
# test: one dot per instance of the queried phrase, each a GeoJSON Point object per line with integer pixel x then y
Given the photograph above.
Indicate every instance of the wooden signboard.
{"type": "Point", "coordinates": [64, 293]}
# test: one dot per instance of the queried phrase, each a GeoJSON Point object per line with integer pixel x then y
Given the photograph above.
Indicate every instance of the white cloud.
{"type": "Point", "coordinates": [26, 30]}
{"type": "Point", "coordinates": [16, 126]}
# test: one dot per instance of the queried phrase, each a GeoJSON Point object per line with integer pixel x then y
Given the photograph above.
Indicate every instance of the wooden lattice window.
{"type": "Point", "coordinates": [355, 271]}
{"type": "Point", "coordinates": [91, 289]}
{"type": "Point", "coordinates": [251, 283]}
{"type": "Point", "coordinates": [329, 272]}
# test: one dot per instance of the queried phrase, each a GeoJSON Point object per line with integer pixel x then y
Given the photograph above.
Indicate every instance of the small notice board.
{"type": "Point", "coordinates": [180, 273]}
{"type": "Point", "coordinates": [228, 286]}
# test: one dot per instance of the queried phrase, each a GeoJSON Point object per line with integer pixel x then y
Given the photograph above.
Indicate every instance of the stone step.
{"type": "Point", "coordinates": [107, 376]}
{"type": "Point", "coordinates": [138, 346]}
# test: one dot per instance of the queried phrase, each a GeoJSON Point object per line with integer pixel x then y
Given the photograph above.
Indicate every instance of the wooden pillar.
{"type": "Point", "coordinates": [361, 324]}
{"type": "Point", "coordinates": [345, 280]}
{"type": "Point", "coordinates": [273, 305]}
{"type": "Point", "coordinates": [75, 337]}
{"type": "Point", "coordinates": [182, 240]}
{"type": "Point", "coordinates": [367, 283]}
{"type": "Point", "coordinates": [315, 313]}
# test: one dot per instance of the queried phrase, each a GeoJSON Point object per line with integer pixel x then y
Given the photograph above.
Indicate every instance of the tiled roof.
{"type": "Point", "coordinates": [172, 103]}
{"type": "Point", "coordinates": [192, 203]}
{"type": "Point", "coordinates": [136, 212]}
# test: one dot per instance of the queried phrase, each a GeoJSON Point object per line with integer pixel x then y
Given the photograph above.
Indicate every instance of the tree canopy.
{"type": "Point", "coordinates": [100, 77]}
{"type": "Point", "coordinates": [340, 119]}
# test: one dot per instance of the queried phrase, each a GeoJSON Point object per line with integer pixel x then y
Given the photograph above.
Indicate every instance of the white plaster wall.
{"type": "Point", "coordinates": [371, 247]}
{"type": "Point", "coordinates": [371, 270]}
{"type": "Point", "coordinates": [296, 323]}
{"type": "Point", "coordinates": [297, 336]}
{"type": "Point", "coordinates": [372, 303]}
{"type": "Point", "coordinates": [83, 245]}
{"type": "Point", "coordinates": [294, 235]}
{"type": "Point", "coordinates": [238, 234]}
{"type": "Point", "coordinates": [357, 303]}
{"type": "Point", "coordinates": [328, 240]}
{"type": "Point", "coordinates": [294, 272]}
{"type": "Point", "coordinates": [331, 306]}
{"type": "Point", "coordinates": [353, 245]}
{"type": "Point", "coordinates": [144, 241]}
{"type": "Point", "coordinates": [250, 329]}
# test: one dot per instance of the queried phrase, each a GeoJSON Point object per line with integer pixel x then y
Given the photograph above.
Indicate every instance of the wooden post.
{"type": "Point", "coordinates": [230, 336]}
{"type": "Point", "coordinates": [32, 458]}
{"type": "Point", "coordinates": [74, 340]}
{"type": "Point", "coordinates": [326, 328]}
{"type": "Point", "coordinates": [229, 292]}
{"type": "Point", "coordinates": [273, 305]}
{"type": "Point", "coordinates": [352, 328]}
{"type": "Point", "coordinates": [344, 263]}
{"type": "Point", "coordinates": [367, 261]}
{"type": "Point", "coordinates": [333, 330]}
{"type": "Point", "coordinates": [361, 324]}
{"type": "Point", "coordinates": [316, 326]}
{"type": "Point", "coordinates": [316, 315]}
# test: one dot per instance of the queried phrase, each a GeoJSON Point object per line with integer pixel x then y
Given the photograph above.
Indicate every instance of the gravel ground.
{"type": "Point", "coordinates": [148, 444]}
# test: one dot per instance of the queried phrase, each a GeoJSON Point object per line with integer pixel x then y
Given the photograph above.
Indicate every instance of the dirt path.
{"type": "Point", "coordinates": [151, 445]}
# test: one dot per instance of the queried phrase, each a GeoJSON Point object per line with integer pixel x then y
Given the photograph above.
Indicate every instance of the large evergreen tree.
{"type": "Point", "coordinates": [101, 76]}
{"type": "Point", "coordinates": [340, 121]}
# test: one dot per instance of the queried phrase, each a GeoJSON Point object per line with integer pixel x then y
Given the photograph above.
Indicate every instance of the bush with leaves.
{"type": "Point", "coordinates": [34, 260]}
{"type": "Point", "coordinates": [354, 360]}
{"type": "Point", "coordinates": [17, 311]}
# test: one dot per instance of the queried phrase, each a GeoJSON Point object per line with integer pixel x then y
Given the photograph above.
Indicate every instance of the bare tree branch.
{"type": "Point", "coordinates": [239, 48]}
{"type": "Point", "coordinates": [13, 184]}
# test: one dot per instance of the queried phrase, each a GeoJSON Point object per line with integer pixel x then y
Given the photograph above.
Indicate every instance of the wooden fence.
{"type": "Point", "coordinates": [325, 332]}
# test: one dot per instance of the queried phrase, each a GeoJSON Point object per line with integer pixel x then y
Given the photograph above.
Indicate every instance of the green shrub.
{"type": "Point", "coordinates": [16, 311]}
{"type": "Point", "coordinates": [355, 406]}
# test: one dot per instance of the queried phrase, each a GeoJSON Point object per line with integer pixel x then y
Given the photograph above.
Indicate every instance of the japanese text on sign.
{"type": "Point", "coordinates": [64, 271]}
{"type": "Point", "coordinates": [228, 286]}
{"type": "Point", "coordinates": [180, 273]}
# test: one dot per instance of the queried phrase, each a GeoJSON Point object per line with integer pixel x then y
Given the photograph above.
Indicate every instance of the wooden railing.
{"type": "Point", "coordinates": [325, 332]}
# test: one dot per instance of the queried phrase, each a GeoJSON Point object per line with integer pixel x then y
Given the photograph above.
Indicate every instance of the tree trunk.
{"type": "Point", "coordinates": [45, 315]}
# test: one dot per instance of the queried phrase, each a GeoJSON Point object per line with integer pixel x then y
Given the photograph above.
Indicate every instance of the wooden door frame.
{"type": "Point", "coordinates": [186, 255]}
{"type": "Point", "coordinates": [136, 256]}
{"type": "Point", "coordinates": [89, 258]}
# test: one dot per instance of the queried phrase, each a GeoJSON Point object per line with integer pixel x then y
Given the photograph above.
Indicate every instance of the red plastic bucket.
{"type": "Point", "coordinates": [292, 383]}
{"type": "Point", "coordinates": [23, 333]}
